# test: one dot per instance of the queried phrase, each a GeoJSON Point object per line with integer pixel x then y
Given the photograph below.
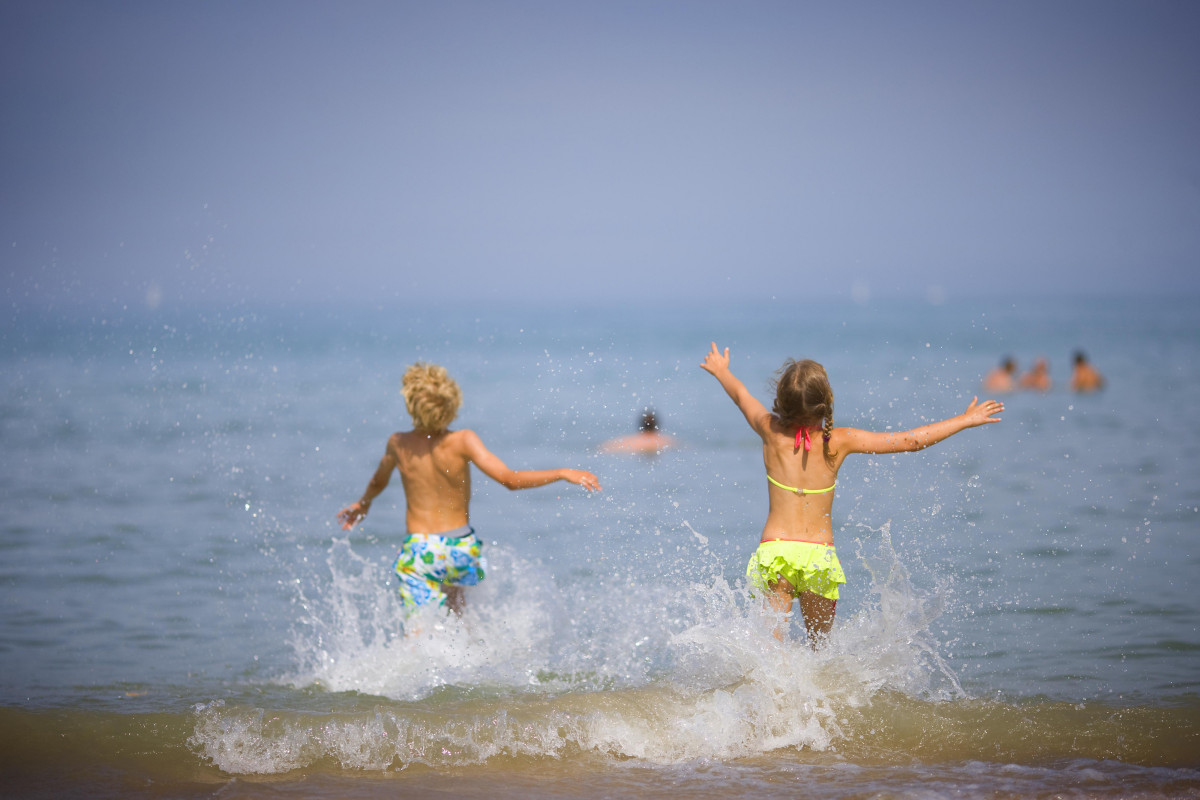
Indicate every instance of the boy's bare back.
{"type": "Point", "coordinates": [436, 473]}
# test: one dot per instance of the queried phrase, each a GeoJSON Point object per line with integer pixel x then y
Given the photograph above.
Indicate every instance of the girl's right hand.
{"type": "Point", "coordinates": [982, 413]}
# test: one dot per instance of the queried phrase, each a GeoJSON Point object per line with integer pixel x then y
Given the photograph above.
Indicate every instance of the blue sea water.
{"type": "Point", "coordinates": [176, 595]}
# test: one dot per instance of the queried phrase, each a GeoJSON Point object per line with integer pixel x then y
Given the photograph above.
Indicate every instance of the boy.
{"type": "Point", "coordinates": [441, 554]}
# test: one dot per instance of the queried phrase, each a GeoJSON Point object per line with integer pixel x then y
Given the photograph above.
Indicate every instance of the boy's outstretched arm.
{"type": "Point", "coordinates": [352, 514]}
{"type": "Point", "coordinates": [491, 465]}
{"type": "Point", "coordinates": [716, 363]}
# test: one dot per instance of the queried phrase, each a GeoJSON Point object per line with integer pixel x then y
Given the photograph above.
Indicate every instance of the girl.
{"type": "Point", "coordinates": [795, 557]}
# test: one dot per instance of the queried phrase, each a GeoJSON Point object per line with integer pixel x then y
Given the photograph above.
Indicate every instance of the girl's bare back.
{"type": "Point", "coordinates": [800, 515]}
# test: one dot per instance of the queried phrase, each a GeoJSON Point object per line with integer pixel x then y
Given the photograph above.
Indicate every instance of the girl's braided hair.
{"type": "Point", "coordinates": [803, 396]}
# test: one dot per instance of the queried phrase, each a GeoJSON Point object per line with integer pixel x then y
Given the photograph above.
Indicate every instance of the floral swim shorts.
{"type": "Point", "coordinates": [428, 561]}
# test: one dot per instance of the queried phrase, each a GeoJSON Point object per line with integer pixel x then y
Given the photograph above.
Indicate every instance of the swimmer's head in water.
{"type": "Point", "coordinates": [649, 422]}
{"type": "Point", "coordinates": [431, 396]}
{"type": "Point", "coordinates": [803, 395]}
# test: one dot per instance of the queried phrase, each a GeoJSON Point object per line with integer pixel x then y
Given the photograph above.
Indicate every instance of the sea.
{"type": "Point", "coordinates": [181, 615]}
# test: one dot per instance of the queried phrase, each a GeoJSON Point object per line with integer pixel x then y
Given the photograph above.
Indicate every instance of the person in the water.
{"type": "Point", "coordinates": [649, 440]}
{"type": "Point", "coordinates": [1001, 379]}
{"type": "Point", "coordinates": [1085, 377]}
{"type": "Point", "coordinates": [1037, 379]}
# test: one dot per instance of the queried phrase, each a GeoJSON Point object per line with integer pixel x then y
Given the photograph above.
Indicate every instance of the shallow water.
{"type": "Point", "coordinates": [182, 617]}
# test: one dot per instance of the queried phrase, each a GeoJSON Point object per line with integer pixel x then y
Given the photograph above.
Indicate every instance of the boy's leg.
{"type": "Point", "coordinates": [818, 613]}
{"type": "Point", "coordinates": [456, 598]}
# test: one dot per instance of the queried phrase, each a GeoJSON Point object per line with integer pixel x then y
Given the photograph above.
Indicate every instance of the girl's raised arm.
{"type": "Point", "coordinates": [716, 363]}
{"type": "Point", "coordinates": [853, 440]}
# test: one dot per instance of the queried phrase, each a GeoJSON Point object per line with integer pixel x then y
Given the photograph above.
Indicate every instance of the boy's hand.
{"type": "Point", "coordinates": [351, 515]}
{"type": "Point", "coordinates": [982, 413]}
{"type": "Point", "coordinates": [583, 478]}
{"type": "Point", "coordinates": [716, 361]}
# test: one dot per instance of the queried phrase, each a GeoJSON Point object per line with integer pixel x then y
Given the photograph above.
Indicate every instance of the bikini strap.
{"type": "Point", "coordinates": [802, 436]}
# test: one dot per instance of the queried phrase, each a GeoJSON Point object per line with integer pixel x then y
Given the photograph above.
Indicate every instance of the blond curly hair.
{"type": "Point", "coordinates": [431, 396]}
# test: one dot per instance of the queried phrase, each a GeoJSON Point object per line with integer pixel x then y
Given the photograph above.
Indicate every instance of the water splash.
{"type": "Point", "coordinates": [617, 668]}
{"type": "Point", "coordinates": [355, 634]}
{"type": "Point", "coordinates": [892, 637]}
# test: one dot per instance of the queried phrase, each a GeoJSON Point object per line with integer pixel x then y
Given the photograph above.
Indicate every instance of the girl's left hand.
{"type": "Point", "coordinates": [982, 413]}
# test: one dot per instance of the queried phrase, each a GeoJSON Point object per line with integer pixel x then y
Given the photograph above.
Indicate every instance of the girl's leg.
{"type": "Point", "coordinates": [779, 598]}
{"type": "Point", "coordinates": [818, 613]}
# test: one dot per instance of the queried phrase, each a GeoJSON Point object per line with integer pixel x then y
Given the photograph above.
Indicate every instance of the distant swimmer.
{"type": "Point", "coordinates": [648, 440]}
{"type": "Point", "coordinates": [1085, 377]}
{"type": "Point", "coordinates": [1002, 378]}
{"type": "Point", "coordinates": [1038, 378]}
{"type": "Point", "coordinates": [795, 558]}
{"type": "Point", "coordinates": [441, 553]}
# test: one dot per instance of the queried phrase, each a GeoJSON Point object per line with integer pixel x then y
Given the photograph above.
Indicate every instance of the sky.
{"type": "Point", "coordinates": [286, 152]}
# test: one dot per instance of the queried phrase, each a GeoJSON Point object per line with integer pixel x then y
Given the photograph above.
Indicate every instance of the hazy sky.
{"type": "Point", "coordinates": [575, 152]}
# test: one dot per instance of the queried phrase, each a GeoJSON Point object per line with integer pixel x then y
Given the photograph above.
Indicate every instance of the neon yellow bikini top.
{"type": "Point", "coordinates": [801, 491]}
{"type": "Point", "coordinates": [803, 439]}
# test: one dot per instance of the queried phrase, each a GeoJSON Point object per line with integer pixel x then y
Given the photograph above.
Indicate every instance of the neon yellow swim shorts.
{"type": "Point", "coordinates": [808, 566]}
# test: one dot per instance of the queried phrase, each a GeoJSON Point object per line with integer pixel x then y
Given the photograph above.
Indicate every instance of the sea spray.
{"type": "Point", "coordinates": [664, 673]}
{"type": "Point", "coordinates": [356, 635]}
{"type": "Point", "coordinates": [891, 636]}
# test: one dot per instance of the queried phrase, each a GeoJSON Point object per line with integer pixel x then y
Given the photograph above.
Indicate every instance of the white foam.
{"type": "Point", "coordinates": [356, 635]}
{"type": "Point", "coordinates": [662, 673]}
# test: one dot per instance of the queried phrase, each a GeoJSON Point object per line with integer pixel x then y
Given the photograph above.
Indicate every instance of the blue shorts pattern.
{"type": "Point", "coordinates": [428, 561]}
